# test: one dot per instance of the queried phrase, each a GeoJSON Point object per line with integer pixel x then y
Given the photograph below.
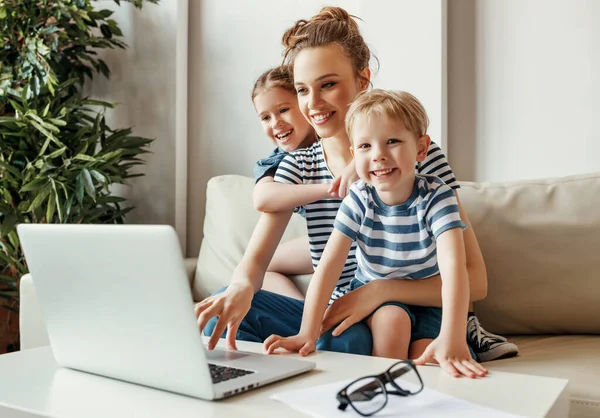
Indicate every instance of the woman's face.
{"type": "Point", "coordinates": [281, 119]}
{"type": "Point", "coordinates": [326, 85]}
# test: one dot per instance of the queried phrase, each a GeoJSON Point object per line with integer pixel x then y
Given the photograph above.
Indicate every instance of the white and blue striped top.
{"type": "Point", "coordinates": [308, 166]}
{"type": "Point", "coordinates": [398, 242]}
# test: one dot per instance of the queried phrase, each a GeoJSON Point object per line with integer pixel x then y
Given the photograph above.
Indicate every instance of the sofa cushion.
{"type": "Point", "coordinates": [541, 244]}
{"type": "Point", "coordinates": [228, 224]}
{"type": "Point", "coordinates": [573, 357]}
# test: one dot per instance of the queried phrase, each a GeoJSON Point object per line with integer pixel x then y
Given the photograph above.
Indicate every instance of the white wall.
{"type": "Point", "coordinates": [524, 91]}
{"type": "Point", "coordinates": [149, 81]}
{"type": "Point", "coordinates": [232, 42]}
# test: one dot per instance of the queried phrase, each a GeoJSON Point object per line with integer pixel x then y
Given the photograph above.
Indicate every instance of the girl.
{"type": "Point", "coordinates": [275, 102]}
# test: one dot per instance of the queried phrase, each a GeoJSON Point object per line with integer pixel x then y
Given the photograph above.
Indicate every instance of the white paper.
{"type": "Point", "coordinates": [320, 401]}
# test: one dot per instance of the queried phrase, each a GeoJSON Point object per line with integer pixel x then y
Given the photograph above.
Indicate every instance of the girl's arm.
{"type": "Point", "coordinates": [270, 196]}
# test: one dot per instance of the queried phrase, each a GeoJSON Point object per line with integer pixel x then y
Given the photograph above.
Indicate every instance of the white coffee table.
{"type": "Point", "coordinates": [33, 385]}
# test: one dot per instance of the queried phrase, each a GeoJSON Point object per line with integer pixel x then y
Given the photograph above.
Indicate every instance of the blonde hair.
{"type": "Point", "coordinates": [332, 25]}
{"type": "Point", "coordinates": [397, 105]}
{"type": "Point", "coordinates": [278, 77]}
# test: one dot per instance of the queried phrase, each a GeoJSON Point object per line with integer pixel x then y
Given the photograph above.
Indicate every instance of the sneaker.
{"type": "Point", "coordinates": [488, 346]}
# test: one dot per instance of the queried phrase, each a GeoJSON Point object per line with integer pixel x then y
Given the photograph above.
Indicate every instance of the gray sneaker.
{"type": "Point", "coordinates": [488, 346]}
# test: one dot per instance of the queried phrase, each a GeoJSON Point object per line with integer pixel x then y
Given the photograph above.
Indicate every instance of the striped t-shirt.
{"type": "Point", "coordinates": [398, 242]}
{"type": "Point", "coordinates": [308, 166]}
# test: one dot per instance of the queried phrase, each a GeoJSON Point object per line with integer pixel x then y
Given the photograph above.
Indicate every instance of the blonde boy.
{"type": "Point", "coordinates": [407, 226]}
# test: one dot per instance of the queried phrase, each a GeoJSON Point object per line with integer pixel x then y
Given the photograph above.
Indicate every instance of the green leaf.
{"type": "Point", "coordinates": [40, 197]}
{"type": "Point", "coordinates": [51, 207]}
{"type": "Point", "coordinates": [58, 122]}
{"type": "Point", "coordinates": [88, 184]}
{"type": "Point", "coordinates": [79, 189]}
{"type": "Point", "coordinates": [99, 176]}
{"type": "Point", "coordinates": [84, 157]}
{"type": "Point", "coordinates": [33, 185]}
{"type": "Point", "coordinates": [10, 221]}
{"type": "Point", "coordinates": [57, 153]}
{"type": "Point", "coordinates": [10, 168]}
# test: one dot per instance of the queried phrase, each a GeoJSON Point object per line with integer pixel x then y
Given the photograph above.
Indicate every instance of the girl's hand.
{"type": "Point", "coordinates": [298, 343]}
{"type": "Point", "coordinates": [351, 308]}
{"type": "Point", "coordinates": [339, 187]}
{"type": "Point", "coordinates": [453, 356]}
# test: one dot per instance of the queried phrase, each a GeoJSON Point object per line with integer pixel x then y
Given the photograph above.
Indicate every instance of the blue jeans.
{"type": "Point", "coordinates": [271, 313]}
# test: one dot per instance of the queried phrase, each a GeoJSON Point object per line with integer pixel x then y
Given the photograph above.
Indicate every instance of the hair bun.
{"type": "Point", "coordinates": [333, 13]}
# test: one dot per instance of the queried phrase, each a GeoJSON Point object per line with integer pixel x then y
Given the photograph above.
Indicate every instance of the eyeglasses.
{"type": "Point", "coordinates": [368, 395]}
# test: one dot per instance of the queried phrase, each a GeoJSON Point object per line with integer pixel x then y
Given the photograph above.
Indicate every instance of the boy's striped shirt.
{"type": "Point", "coordinates": [398, 242]}
{"type": "Point", "coordinates": [308, 166]}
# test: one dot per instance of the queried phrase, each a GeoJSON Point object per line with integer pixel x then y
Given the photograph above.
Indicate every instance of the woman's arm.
{"type": "Point", "coordinates": [232, 305]}
{"type": "Point", "coordinates": [270, 196]}
{"type": "Point", "coordinates": [262, 245]}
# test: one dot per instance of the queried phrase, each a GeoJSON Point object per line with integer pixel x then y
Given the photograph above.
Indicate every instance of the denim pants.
{"type": "Point", "coordinates": [271, 313]}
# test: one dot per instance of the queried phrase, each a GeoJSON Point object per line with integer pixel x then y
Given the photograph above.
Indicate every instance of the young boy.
{"type": "Point", "coordinates": [407, 226]}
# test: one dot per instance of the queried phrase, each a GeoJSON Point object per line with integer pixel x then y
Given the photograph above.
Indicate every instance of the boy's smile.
{"type": "Point", "coordinates": [385, 153]}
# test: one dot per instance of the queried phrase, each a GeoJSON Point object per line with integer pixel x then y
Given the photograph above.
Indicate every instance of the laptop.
{"type": "Point", "coordinates": [117, 302]}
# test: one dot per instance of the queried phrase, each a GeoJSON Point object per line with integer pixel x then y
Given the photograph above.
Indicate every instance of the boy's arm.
{"type": "Point", "coordinates": [450, 348]}
{"type": "Point", "coordinates": [270, 196]}
{"type": "Point", "coordinates": [455, 283]}
{"type": "Point", "coordinates": [322, 284]}
{"type": "Point", "coordinates": [319, 292]}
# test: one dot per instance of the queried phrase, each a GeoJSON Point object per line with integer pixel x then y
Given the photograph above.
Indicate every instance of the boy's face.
{"type": "Point", "coordinates": [281, 119]}
{"type": "Point", "coordinates": [385, 153]}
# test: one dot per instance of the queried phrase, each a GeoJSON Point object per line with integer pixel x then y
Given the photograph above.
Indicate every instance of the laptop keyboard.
{"type": "Point", "coordinates": [222, 373]}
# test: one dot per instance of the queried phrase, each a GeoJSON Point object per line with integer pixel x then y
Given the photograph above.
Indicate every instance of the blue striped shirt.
{"type": "Point", "coordinates": [308, 166]}
{"type": "Point", "coordinates": [398, 242]}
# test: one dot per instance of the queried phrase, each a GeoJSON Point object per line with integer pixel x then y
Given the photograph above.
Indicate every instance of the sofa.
{"type": "Point", "coordinates": [541, 244]}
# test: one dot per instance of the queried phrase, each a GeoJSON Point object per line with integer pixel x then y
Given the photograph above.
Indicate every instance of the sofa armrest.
{"type": "Point", "coordinates": [31, 321]}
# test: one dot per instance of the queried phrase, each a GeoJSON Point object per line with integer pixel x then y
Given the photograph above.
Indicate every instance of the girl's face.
{"type": "Point", "coordinates": [326, 86]}
{"type": "Point", "coordinates": [281, 119]}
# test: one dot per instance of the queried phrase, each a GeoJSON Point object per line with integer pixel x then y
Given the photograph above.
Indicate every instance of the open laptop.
{"type": "Point", "coordinates": [117, 302]}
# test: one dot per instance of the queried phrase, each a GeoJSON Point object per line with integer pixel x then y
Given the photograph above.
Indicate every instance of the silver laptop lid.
{"type": "Point", "coordinates": [117, 302]}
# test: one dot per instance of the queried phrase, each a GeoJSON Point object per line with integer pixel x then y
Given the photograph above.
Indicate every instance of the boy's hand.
{"type": "Point", "coordinates": [453, 356]}
{"type": "Point", "coordinates": [298, 343]}
{"type": "Point", "coordinates": [231, 307]}
{"type": "Point", "coordinates": [339, 187]}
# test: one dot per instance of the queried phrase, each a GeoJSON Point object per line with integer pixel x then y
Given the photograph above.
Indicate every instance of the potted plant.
{"type": "Point", "coordinates": [58, 156]}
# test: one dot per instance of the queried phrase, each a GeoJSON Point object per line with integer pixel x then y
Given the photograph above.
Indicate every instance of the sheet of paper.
{"type": "Point", "coordinates": [320, 401]}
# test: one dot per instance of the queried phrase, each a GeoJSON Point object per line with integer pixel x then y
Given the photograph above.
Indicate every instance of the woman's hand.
{"type": "Point", "coordinates": [351, 308]}
{"type": "Point", "coordinates": [298, 343]}
{"type": "Point", "coordinates": [231, 306]}
{"type": "Point", "coordinates": [452, 353]}
{"type": "Point", "coordinates": [339, 187]}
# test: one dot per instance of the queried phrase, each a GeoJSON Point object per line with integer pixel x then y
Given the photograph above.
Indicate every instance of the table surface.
{"type": "Point", "coordinates": [32, 384]}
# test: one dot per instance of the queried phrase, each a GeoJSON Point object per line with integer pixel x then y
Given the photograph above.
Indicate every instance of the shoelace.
{"type": "Point", "coordinates": [482, 339]}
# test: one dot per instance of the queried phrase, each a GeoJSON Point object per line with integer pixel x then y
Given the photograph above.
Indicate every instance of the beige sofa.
{"type": "Point", "coordinates": [541, 243]}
